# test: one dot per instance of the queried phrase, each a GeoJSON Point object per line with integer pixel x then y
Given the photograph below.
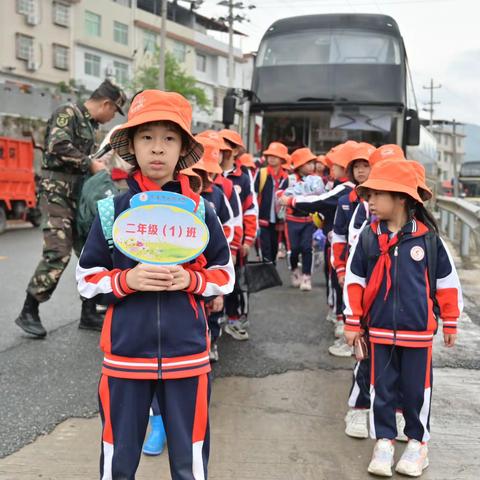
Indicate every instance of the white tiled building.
{"type": "Point", "coordinates": [50, 41]}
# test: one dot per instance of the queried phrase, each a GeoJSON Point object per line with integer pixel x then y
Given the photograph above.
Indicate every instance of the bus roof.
{"type": "Point", "coordinates": [380, 23]}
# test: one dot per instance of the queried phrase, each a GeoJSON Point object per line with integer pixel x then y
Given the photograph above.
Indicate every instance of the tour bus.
{"type": "Point", "coordinates": [320, 80]}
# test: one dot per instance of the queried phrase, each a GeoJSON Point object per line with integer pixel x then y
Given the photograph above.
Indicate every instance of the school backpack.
{"type": "Point", "coordinates": [369, 241]}
{"type": "Point", "coordinates": [106, 212]}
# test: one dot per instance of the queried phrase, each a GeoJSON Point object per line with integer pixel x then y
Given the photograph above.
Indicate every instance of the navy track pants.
{"type": "Point", "coordinates": [124, 409]}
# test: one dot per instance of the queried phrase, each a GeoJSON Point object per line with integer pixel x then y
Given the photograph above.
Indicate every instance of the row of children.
{"type": "Point", "coordinates": [393, 279]}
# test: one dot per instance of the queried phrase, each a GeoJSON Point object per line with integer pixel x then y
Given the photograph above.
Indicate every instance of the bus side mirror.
{"type": "Point", "coordinates": [412, 128]}
{"type": "Point", "coordinates": [229, 107]}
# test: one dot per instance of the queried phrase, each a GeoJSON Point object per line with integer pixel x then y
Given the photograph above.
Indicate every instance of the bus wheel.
{"type": "Point", "coordinates": [3, 219]}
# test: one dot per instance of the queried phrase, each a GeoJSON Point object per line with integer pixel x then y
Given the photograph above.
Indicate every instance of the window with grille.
{"type": "Point", "coordinates": [120, 33]}
{"type": "Point", "coordinates": [121, 72]}
{"type": "Point", "coordinates": [92, 64]}
{"type": "Point", "coordinates": [24, 46]}
{"type": "Point", "coordinates": [179, 51]}
{"type": "Point", "coordinates": [61, 14]}
{"type": "Point", "coordinates": [93, 24]}
{"type": "Point", "coordinates": [25, 7]}
{"type": "Point", "coordinates": [150, 41]}
{"type": "Point", "coordinates": [60, 57]}
{"type": "Point", "coordinates": [201, 62]}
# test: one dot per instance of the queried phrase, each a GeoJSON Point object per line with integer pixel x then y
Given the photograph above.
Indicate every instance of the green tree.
{"type": "Point", "coordinates": [176, 79]}
{"type": "Point", "coordinates": [71, 87]}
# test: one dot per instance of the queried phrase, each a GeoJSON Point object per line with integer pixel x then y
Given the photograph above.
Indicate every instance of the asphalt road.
{"type": "Point", "coordinates": [43, 382]}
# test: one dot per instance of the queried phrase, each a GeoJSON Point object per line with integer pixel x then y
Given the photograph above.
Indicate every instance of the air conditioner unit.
{"type": "Point", "coordinates": [32, 19]}
{"type": "Point", "coordinates": [109, 71]}
{"type": "Point", "coordinates": [32, 65]}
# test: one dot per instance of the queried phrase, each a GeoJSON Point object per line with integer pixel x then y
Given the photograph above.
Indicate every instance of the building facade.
{"type": "Point", "coordinates": [51, 41]}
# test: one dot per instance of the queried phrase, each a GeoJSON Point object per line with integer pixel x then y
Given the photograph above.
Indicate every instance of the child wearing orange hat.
{"type": "Point", "coordinates": [154, 336]}
{"type": "Point", "coordinates": [299, 225]}
{"type": "Point", "coordinates": [270, 181]}
{"type": "Point", "coordinates": [236, 304]}
{"type": "Point", "coordinates": [400, 280]}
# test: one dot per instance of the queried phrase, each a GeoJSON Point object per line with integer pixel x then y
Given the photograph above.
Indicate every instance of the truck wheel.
{"type": "Point", "coordinates": [35, 217]}
{"type": "Point", "coordinates": [3, 219]}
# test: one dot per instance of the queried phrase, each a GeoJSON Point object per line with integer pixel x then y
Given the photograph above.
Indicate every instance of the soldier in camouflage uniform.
{"type": "Point", "coordinates": [69, 142]}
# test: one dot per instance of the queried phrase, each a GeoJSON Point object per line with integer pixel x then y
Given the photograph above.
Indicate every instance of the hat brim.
{"type": "Point", "coordinates": [119, 110]}
{"type": "Point", "coordinates": [208, 167]}
{"type": "Point", "coordinates": [275, 154]}
{"type": "Point", "coordinates": [303, 162]}
{"type": "Point", "coordinates": [426, 192]}
{"type": "Point", "coordinates": [388, 186]}
{"type": "Point", "coordinates": [120, 143]}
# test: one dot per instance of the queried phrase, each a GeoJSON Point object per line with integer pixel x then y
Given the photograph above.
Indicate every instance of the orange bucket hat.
{"type": "Point", "coordinates": [277, 149]}
{"type": "Point", "coordinates": [210, 162]}
{"type": "Point", "coordinates": [214, 135]}
{"type": "Point", "coordinates": [340, 154]}
{"type": "Point", "coordinates": [246, 160]}
{"type": "Point", "coordinates": [233, 137]}
{"type": "Point", "coordinates": [386, 152]}
{"type": "Point", "coordinates": [154, 106]}
{"type": "Point", "coordinates": [425, 192]}
{"type": "Point", "coordinates": [195, 179]}
{"type": "Point", "coordinates": [361, 151]}
{"type": "Point", "coordinates": [301, 156]}
{"type": "Point", "coordinates": [392, 176]}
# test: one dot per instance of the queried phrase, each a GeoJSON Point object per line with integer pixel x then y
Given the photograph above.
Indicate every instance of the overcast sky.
{"type": "Point", "coordinates": [442, 39]}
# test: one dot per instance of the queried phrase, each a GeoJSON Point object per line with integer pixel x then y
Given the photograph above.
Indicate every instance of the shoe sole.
{"type": "Point", "coordinates": [86, 327]}
{"type": "Point", "coordinates": [354, 435]}
{"type": "Point", "coordinates": [344, 355]}
{"type": "Point", "coordinates": [26, 330]}
{"type": "Point", "coordinates": [379, 474]}
{"type": "Point", "coordinates": [405, 474]}
{"type": "Point", "coordinates": [235, 335]}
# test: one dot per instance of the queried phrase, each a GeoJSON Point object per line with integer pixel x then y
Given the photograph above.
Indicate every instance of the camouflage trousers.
{"type": "Point", "coordinates": [59, 238]}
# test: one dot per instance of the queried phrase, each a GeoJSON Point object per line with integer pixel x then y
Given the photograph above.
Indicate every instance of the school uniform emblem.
{"type": "Point", "coordinates": [417, 253]}
{"type": "Point", "coordinates": [238, 189]}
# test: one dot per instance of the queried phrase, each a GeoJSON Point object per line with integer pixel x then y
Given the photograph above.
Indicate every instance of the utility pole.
{"type": "Point", "coordinates": [163, 46]}
{"type": "Point", "coordinates": [431, 102]}
{"type": "Point", "coordinates": [454, 158]}
{"type": "Point", "coordinates": [231, 19]}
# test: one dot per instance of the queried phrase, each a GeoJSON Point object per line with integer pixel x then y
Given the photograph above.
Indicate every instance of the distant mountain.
{"type": "Point", "coordinates": [472, 142]}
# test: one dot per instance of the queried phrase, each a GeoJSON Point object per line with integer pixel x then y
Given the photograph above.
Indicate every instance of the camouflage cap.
{"type": "Point", "coordinates": [109, 90]}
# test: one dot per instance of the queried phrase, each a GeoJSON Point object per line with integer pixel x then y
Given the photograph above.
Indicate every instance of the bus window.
{"type": "Point", "coordinates": [331, 46]}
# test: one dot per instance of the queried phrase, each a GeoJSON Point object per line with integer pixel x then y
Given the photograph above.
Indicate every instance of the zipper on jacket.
{"type": "Point", "coordinates": [159, 338]}
{"type": "Point", "coordinates": [395, 288]}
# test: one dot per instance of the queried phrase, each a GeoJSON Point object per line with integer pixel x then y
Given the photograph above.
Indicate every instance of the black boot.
{"type": "Point", "coordinates": [29, 320]}
{"type": "Point", "coordinates": [90, 319]}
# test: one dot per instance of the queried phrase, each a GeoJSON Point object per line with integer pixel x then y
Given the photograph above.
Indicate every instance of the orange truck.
{"type": "Point", "coordinates": [18, 199]}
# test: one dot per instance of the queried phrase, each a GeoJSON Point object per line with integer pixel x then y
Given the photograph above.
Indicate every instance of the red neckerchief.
{"type": "Point", "coordinates": [118, 174]}
{"type": "Point", "coordinates": [353, 196]}
{"type": "Point", "coordinates": [383, 265]}
{"type": "Point", "coordinates": [276, 177]}
{"type": "Point", "coordinates": [147, 185]}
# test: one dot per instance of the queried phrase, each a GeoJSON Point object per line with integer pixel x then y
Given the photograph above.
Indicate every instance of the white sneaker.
{"type": "Point", "coordinates": [340, 349]}
{"type": "Point", "coordinates": [236, 331]}
{"type": "Point", "coordinates": [331, 317]}
{"type": "Point", "coordinates": [414, 459]}
{"type": "Point", "coordinates": [401, 437]}
{"type": "Point", "coordinates": [213, 353]}
{"type": "Point", "coordinates": [382, 458]}
{"type": "Point", "coordinates": [339, 327]}
{"type": "Point", "coordinates": [244, 322]}
{"type": "Point", "coordinates": [356, 423]}
{"type": "Point", "coordinates": [306, 284]}
{"type": "Point", "coordinates": [296, 278]}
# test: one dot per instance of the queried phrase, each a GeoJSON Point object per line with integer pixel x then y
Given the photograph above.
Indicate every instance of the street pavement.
{"type": "Point", "coordinates": [278, 400]}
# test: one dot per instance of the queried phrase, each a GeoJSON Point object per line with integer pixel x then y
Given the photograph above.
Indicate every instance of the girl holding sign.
{"type": "Point", "coordinates": [155, 334]}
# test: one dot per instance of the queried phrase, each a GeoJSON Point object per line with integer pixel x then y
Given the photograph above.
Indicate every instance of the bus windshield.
{"type": "Point", "coordinates": [332, 46]}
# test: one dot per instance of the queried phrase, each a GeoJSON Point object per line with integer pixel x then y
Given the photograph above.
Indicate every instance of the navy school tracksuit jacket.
{"type": "Point", "coordinates": [405, 315]}
{"type": "Point", "coordinates": [266, 198]}
{"type": "Point", "coordinates": [222, 208]}
{"type": "Point", "coordinates": [152, 335]}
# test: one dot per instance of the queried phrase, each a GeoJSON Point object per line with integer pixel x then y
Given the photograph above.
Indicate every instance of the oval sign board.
{"type": "Point", "coordinates": [161, 228]}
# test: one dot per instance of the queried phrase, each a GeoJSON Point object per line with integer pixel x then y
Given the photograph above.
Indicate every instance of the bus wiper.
{"type": "Point", "coordinates": [321, 99]}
